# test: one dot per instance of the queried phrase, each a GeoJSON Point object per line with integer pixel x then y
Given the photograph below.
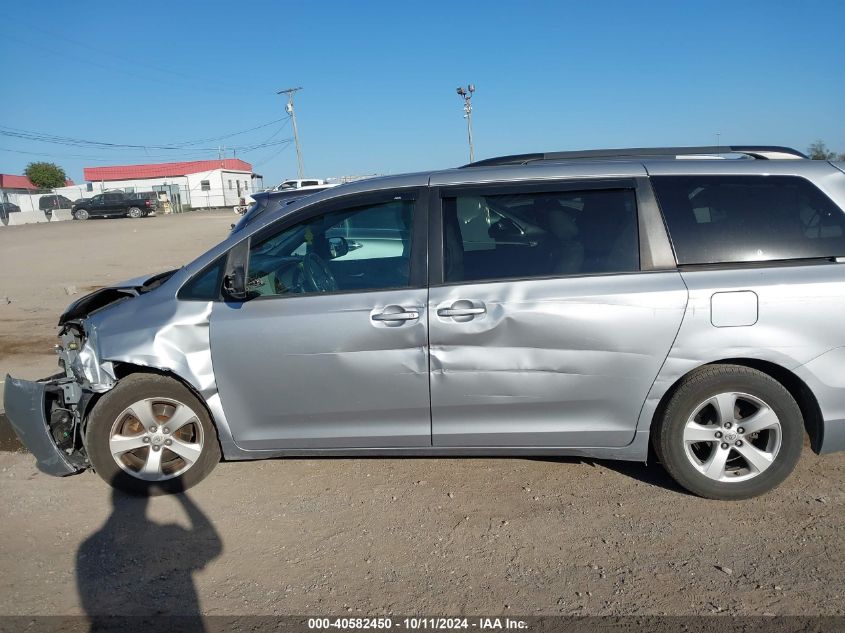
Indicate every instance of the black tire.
{"type": "Point", "coordinates": [135, 213]}
{"type": "Point", "coordinates": [706, 383]}
{"type": "Point", "coordinates": [108, 409]}
{"type": "Point", "coordinates": [81, 214]}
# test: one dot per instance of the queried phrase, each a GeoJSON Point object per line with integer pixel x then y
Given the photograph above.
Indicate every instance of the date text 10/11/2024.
{"type": "Point", "coordinates": [417, 623]}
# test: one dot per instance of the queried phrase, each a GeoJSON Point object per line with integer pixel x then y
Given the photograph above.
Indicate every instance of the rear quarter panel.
{"type": "Point", "coordinates": [800, 312]}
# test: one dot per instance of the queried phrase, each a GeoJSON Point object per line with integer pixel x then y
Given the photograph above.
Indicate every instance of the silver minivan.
{"type": "Point", "coordinates": [680, 303]}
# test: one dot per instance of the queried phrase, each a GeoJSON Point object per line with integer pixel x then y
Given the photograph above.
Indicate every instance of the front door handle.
{"type": "Point", "coordinates": [391, 313]}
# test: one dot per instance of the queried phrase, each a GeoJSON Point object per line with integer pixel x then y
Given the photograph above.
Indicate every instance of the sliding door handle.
{"type": "Point", "coordinates": [453, 312]}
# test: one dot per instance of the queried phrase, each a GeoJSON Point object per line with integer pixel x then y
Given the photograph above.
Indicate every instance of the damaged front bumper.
{"type": "Point", "coordinates": [29, 405]}
{"type": "Point", "coordinates": [47, 414]}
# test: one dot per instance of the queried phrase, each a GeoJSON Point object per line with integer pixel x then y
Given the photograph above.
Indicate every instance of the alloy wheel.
{"type": "Point", "coordinates": [156, 439]}
{"type": "Point", "coordinates": [732, 437]}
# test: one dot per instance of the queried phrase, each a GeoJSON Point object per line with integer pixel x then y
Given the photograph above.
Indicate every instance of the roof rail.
{"type": "Point", "coordinates": [761, 152]}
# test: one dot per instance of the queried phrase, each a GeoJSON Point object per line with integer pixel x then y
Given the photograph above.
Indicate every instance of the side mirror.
{"type": "Point", "coordinates": [234, 280]}
{"type": "Point", "coordinates": [234, 284]}
{"type": "Point", "coordinates": [338, 247]}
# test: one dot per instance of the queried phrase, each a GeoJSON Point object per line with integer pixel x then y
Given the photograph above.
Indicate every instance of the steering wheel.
{"type": "Point", "coordinates": [317, 274]}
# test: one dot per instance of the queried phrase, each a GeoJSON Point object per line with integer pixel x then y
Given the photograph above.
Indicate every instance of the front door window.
{"type": "Point", "coordinates": [362, 248]}
{"type": "Point", "coordinates": [330, 348]}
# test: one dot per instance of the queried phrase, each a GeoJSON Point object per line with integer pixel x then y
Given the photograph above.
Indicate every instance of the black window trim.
{"type": "Point", "coordinates": [763, 263]}
{"type": "Point", "coordinates": [536, 186]}
{"type": "Point", "coordinates": [655, 254]}
{"type": "Point", "coordinates": [419, 256]}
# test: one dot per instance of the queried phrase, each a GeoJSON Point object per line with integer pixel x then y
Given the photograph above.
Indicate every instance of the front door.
{"type": "Point", "coordinates": [545, 331]}
{"type": "Point", "coordinates": [97, 205]}
{"type": "Point", "coordinates": [331, 348]}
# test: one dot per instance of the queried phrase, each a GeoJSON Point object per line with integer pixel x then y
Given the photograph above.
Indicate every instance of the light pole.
{"type": "Point", "coordinates": [466, 95]}
{"type": "Point", "coordinates": [289, 109]}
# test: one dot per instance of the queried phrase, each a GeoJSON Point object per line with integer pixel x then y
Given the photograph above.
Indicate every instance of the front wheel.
{"type": "Point", "coordinates": [730, 432]}
{"type": "Point", "coordinates": [151, 435]}
{"type": "Point", "coordinates": [80, 214]}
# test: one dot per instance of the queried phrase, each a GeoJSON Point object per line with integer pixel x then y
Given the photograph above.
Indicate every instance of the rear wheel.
{"type": "Point", "coordinates": [134, 212]}
{"type": "Point", "coordinates": [151, 435]}
{"type": "Point", "coordinates": [80, 214]}
{"type": "Point", "coordinates": [730, 432]}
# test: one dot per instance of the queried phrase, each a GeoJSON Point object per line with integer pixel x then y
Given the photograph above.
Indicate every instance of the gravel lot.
{"type": "Point", "coordinates": [373, 536]}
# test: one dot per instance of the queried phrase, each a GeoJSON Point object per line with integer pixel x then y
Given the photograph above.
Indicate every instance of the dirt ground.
{"type": "Point", "coordinates": [377, 536]}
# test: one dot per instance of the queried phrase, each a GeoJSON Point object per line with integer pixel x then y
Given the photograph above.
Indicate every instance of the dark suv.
{"type": "Point", "coordinates": [5, 209]}
{"type": "Point", "coordinates": [53, 201]}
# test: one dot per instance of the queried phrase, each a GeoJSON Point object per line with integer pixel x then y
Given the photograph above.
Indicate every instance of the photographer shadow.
{"type": "Point", "coordinates": [136, 570]}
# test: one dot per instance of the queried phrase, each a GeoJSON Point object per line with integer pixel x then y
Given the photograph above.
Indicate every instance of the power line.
{"type": "Point", "coordinates": [98, 159]}
{"type": "Point", "coordinates": [266, 160]}
{"type": "Point", "coordinates": [284, 122]}
{"type": "Point", "coordinates": [132, 157]}
{"type": "Point", "coordinates": [140, 148]}
{"type": "Point", "coordinates": [188, 153]}
{"type": "Point", "coordinates": [44, 137]}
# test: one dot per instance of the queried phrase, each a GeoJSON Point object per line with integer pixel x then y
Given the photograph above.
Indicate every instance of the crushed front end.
{"type": "Point", "coordinates": [47, 415]}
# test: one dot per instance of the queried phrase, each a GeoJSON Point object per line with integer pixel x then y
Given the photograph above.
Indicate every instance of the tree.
{"type": "Point", "coordinates": [46, 175]}
{"type": "Point", "coordinates": [819, 151]}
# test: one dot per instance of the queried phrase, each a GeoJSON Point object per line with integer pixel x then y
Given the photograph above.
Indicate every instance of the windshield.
{"type": "Point", "coordinates": [265, 202]}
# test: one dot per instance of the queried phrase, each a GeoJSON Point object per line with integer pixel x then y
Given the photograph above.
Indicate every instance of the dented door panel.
{"type": "Point", "coordinates": [324, 371]}
{"type": "Point", "coordinates": [549, 362]}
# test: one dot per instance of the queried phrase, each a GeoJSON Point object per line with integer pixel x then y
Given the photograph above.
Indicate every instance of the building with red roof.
{"type": "Point", "coordinates": [164, 170]}
{"type": "Point", "coordinates": [20, 184]}
{"type": "Point", "coordinates": [198, 183]}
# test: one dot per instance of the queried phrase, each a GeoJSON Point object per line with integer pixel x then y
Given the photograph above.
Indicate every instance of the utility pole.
{"type": "Point", "coordinates": [466, 95]}
{"type": "Point", "coordinates": [289, 109]}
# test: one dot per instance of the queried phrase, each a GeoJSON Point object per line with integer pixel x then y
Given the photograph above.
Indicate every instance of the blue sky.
{"type": "Point", "coordinates": [379, 79]}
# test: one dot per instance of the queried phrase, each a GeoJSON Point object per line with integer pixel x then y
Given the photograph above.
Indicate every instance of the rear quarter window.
{"type": "Point", "coordinates": [726, 219]}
